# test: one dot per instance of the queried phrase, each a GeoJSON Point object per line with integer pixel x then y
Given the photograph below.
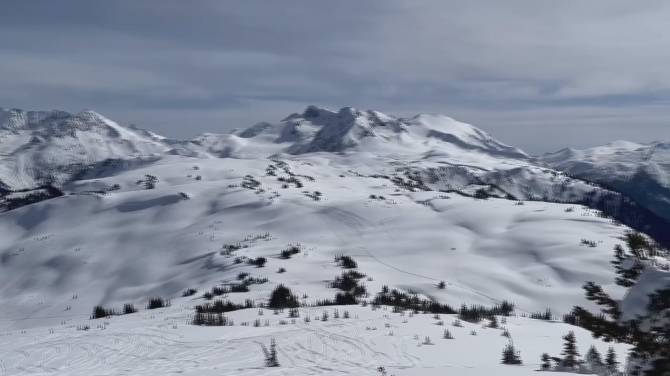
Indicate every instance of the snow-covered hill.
{"type": "Point", "coordinates": [39, 147]}
{"type": "Point", "coordinates": [641, 171]}
{"type": "Point", "coordinates": [413, 201]}
{"type": "Point", "coordinates": [62, 256]}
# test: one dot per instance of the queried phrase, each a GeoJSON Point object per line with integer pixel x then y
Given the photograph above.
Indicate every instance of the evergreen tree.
{"type": "Point", "coordinates": [626, 276]}
{"type": "Point", "coordinates": [282, 297]}
{"type": "Point", "coordinates": [546, 362]}
{"type": "Point", "coordinates": [570, 353]}
{"type": "Point", "coordinates": [649, 333]}
{"type": "Point", "coordinates": [101, 312]}
{"type": "Point", "coordinates": [594, 360]}
{"type": "Point", "coordinates": [510, 355]}
{"type": "Point", "coordinates": [271, 355]}
{"type": "Point", "coordinates": [610, 360]}
{"type": "Point", "coordinates": [129, 308]}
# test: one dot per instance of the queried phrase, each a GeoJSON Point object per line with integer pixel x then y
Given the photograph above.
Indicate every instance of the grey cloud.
{"type": "Point", "coordinates": [537, 74]}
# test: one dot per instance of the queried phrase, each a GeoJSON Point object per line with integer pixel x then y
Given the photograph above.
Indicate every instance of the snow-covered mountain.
{"type": "Point", "coordinates": [54, 147]}
{"type": "Point", "coordinates": [57, 148]}
{"type": "Point", "coordinates": [414, 202]}
{"type": "Point", "coordinates": [322, 130]}
{"type": "Point", "coordinates": [39, 147]}
{"type": "Point", "coordinates": [641, 171]}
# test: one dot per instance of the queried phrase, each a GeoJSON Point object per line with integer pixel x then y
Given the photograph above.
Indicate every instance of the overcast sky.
{"type": "Point", "coordinates": [537, 74]}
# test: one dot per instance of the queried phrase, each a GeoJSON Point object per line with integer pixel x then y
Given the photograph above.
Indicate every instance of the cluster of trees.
{"type": "Point", "coordinates": [242, 286]}
{"type": "Point", "coordinates": [149, 181]}
{"type": "Point", "coordinates": [249, 182]}
{"type": "Point", "coordinates": [349, 282]}
{"type": "Point", "coordinates": [316, 195]}
{"type": "Point", "coordinates": [292, 249]}
{"type": "Point", "coordinates": [351, 289]}
{"type": "Point", "coordinates": [290, 180]}
{"type": "Point", "coordinates": [228, 249]}
{"type": "Point", "coordinates": [546, 315]}
{"type": "Point", "coordinates": [221, 306]}
{"type": "Point", "coordinates": [100, 311]}
{"type": "Point", "coordinates": [282, 297]}
{"type": "Point", "coordinates": [188, 292]}
{"type": "Point", "coordinates": [649, 333]}
{"type": "Point", "coordinates": [27, 197]}
{"type": "Point", "coordinates": [412, 302]}
{"type": "Point", "coordinates": [211, 319]}
{"type": "Point", "coordinates": [346, 262]}
{"type": "Point", "coordinates": [216, 291]}
{"type": "Point", "coordinates": [477, 313]}
{"type": "Point", "coordinates": [158, 302]}
{"type": "Point", "coordinates": [129, 308]}
{"type": "Point", "coordinates": [211, 314]}
{"type": "Point", "coordinates": [258, 262]}
{"type": "Point", "coordinates": [570, 361]}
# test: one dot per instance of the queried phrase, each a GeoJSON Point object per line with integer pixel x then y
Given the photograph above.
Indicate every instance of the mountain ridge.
{"type": "Point", "coordinates": [642, 171]}
{"type": "Point", "coordinates": [42, 148]}
{"type": "Point", "coordinates": [53, 141]}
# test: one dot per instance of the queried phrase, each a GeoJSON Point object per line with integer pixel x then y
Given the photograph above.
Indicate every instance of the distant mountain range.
{"type": "Point", "coordinates": [641, 171]}
{"type": "Point", "coordinates": [56, 148]}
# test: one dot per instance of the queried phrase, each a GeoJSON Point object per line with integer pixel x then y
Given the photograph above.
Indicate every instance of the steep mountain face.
{"type": "Point", "coordinates": [51, 147]}
{"type": "Point", "coordinates": [641, 171]}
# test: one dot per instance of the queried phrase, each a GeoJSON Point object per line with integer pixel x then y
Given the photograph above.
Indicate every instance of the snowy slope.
{"type": "Point", "coordinates": [642, 171]}
{"type": "Point", "coordinates": [162, 342]}
{"type": "Point", "coordinates": [130, 244]}
{"type": "Point", "coordinates": [157, 242]}
{"type": "Point", "coordinates": [387, 205]}
{"type": "Point", "coordinates": [394, 194]}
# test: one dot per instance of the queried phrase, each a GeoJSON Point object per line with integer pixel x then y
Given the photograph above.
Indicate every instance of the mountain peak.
{"type": "Point", "coordinates": [319, 129]}
{"type": "Point", "coordinates": [90, 115]}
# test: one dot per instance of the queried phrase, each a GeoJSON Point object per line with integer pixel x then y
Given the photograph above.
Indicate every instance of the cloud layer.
{"type": "Point", "coordinates": [539, 74]}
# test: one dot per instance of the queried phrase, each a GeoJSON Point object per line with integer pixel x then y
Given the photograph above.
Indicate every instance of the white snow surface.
{"type": "Point", "coordinates": [162, 342]}
{"type": "Point", "coordinates": [60, 257]}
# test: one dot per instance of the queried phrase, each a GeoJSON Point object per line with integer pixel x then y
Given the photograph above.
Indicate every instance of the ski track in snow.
{"type": "Point", "coordinates": [163, 343]}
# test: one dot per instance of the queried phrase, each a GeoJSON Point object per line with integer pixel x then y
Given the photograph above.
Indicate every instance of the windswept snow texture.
{"type": "Point", "coordinates": [641, 171]}
{"type": "Point", "coordinates": [143, 216]}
